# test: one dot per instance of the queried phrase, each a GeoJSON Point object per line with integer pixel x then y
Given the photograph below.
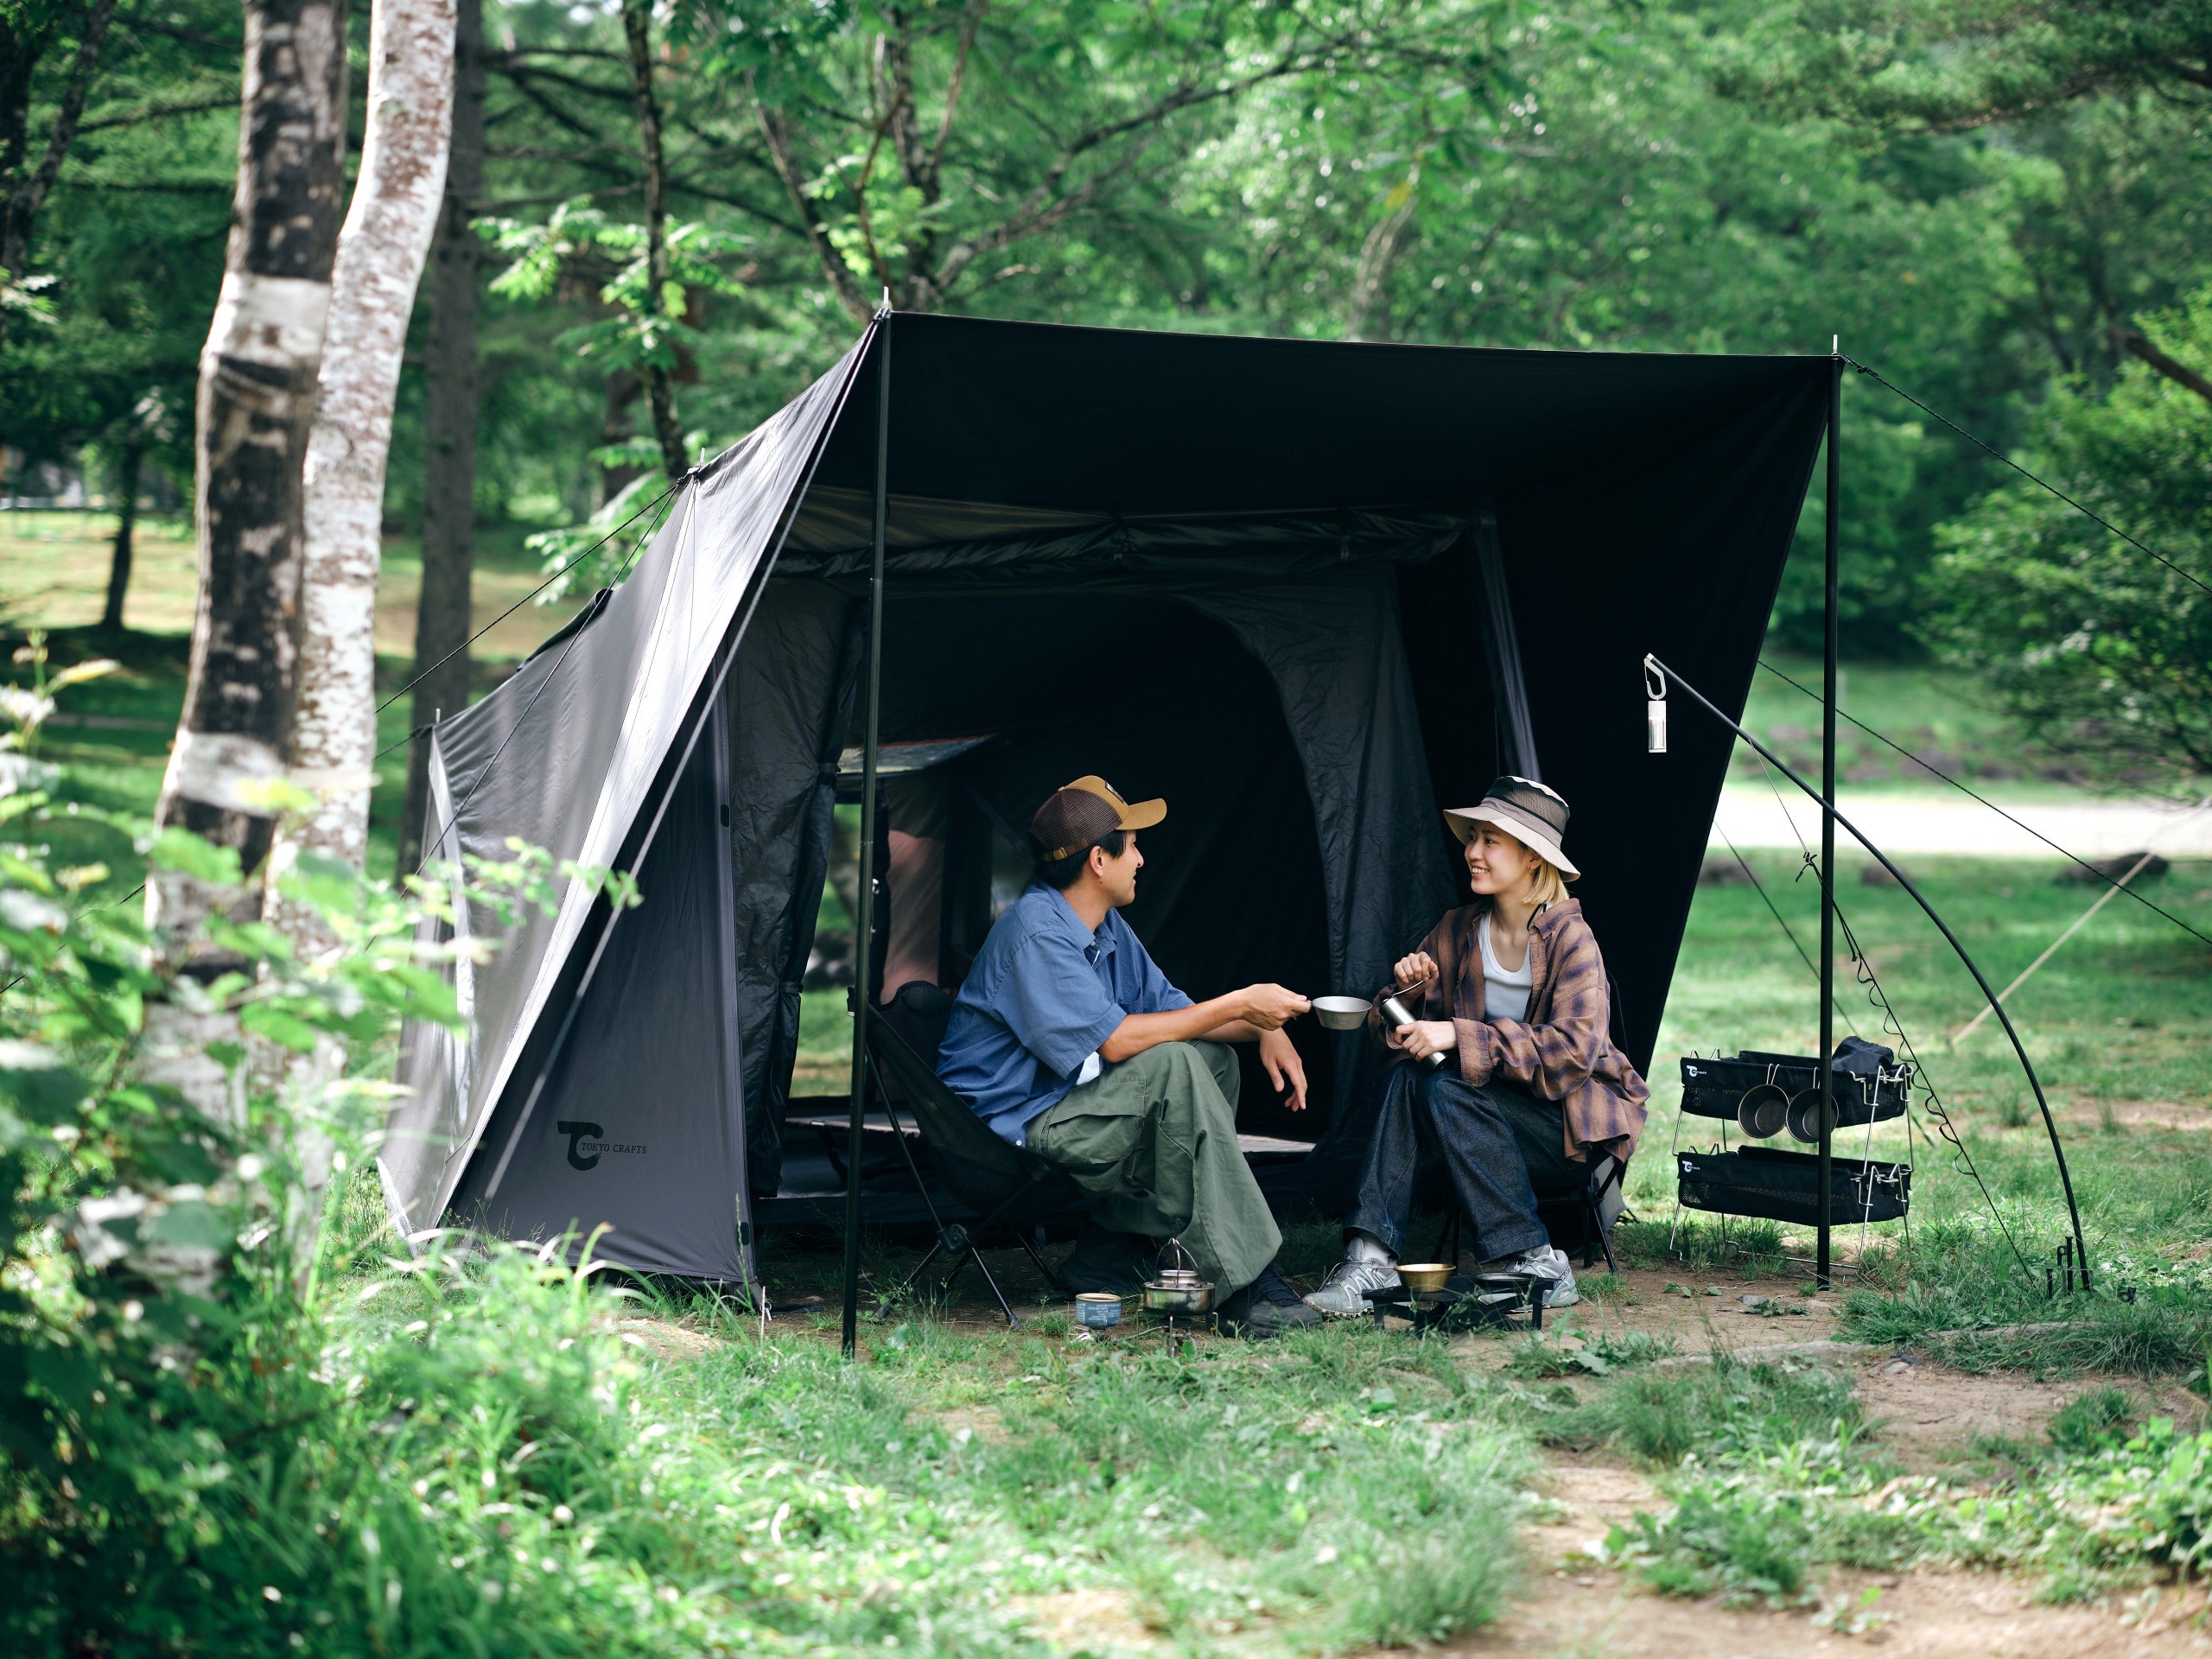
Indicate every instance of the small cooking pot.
{"type": "Point", "coordinates": [1177, 1289]}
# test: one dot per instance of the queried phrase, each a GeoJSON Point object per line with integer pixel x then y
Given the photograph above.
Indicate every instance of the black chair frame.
{"type": "Point", "coordinates": [1593, 1196]}
{"type": "Point", "coordinates": [1043, 1188]}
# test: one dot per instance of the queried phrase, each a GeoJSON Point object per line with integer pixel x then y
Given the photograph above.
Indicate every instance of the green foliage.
{"type": "Point", "coordinates": [1711, 1411]}
{"type": "Point", "coordinates": [581, 243]}
{"type": "Point", "coordinates": [2099, 651]}
{"type": "Point", "coordinates": [162, 1376]}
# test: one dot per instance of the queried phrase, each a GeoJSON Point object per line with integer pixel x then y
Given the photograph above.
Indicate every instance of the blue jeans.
{"type": "Point", "coordinates": [1498, 1142]}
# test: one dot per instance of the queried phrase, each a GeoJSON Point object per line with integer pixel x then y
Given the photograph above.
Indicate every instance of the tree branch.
{"type": "Point", "coordinates": [777, 138]}
{"type": "Point", "coordinates": [1037, 209]}
{"type": "Point", "coordinates": [224, 100]}
{"type": "Point", "coordinates": [25, 198]}
{"type": "Point", "coordinates": [2133, 341]}
{"type": "Point", "coordinates": [970, 21]}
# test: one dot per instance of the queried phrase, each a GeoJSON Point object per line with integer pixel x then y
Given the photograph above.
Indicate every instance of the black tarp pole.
{"type": "Point", "coordinates": [1827, 1119]}
{"type": "Point", "coordinates": [864, 923]}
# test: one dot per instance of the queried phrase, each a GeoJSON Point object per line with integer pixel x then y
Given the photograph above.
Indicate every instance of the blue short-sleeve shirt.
{"type": "Point", "coordinates": [1044, 993]}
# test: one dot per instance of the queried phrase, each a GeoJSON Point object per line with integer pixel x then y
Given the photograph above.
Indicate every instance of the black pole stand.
{"type": "Point", "coordinates": [864, 923]}
{"type": "Point", "coordinates": [1827, 1119]}
{"type": "Point", "coordinates": [1981, 979]}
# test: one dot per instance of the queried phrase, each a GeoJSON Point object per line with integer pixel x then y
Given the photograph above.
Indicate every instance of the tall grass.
{"type": "Point", "coordinates": [487, 1453]}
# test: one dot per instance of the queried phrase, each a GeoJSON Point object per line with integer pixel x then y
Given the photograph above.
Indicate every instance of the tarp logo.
{"type": "Point", "coordinates": [584, 1146]}
{"type": "Point", "coordinates": [575, 1132]}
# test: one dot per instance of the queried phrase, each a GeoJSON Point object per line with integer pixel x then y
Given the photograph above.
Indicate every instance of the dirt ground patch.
{"type": "Point", "coordinates": [1097, 1621]}
{"type": "Point", "coordinates": [1925, 1414]}
{"type": "Point", "coordinates": [2187, 1117]}
{"type": "Point", "coordinates": [1928, 1616]}
{"type": "Point", "coordinates": [1579, 1610]}
{"type": "Point", "coordinates": [1715, 1315]}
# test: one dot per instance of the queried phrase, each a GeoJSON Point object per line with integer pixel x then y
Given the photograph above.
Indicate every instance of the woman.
{"type": "Point", "coordinates": [1512, 995]}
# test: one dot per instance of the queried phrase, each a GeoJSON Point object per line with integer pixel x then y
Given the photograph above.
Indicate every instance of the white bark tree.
{"type": "Point", "coordinates": [381, 253]}
{"type": "Point", "coordinates": [256, 399]}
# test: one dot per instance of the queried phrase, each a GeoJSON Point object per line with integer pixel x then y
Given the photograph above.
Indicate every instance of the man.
{"type": "Point", "coordinates": [1066, 1038]}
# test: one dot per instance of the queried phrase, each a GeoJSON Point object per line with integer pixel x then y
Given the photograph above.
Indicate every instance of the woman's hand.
{"type": "Point", "coordinates": [1426, 1036]}
{"type": "Point", "coordinates": [1411, 970]}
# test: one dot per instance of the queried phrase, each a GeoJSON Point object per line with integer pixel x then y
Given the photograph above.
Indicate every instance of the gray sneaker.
{"type": "Point", "coordinates": [1546, 1262]}
{"type": "Point", "coordinates": [1343, 1295]}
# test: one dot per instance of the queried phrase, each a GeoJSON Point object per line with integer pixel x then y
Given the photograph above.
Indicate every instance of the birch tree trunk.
{"type": "Point", "coordinates": [255, 401]}
{"type": "Point", "coordinates": [380, 257]}
{"type": "Point", "coordinates": [449, 386]}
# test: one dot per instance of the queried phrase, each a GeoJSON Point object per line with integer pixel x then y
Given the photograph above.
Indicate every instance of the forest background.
{"type": "Point", "coordinates": [679, 216]}
{"type": "Point", "coordinates": [234, 1419]}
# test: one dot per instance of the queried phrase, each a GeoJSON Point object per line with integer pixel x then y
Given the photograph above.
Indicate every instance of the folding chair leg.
{"type": "Point", "coordinates": [883, 1307]}
{"type": "Point", "coordinates": [1052, 1275]}
{"type": "Point", "coordinates": [1005, 1307]}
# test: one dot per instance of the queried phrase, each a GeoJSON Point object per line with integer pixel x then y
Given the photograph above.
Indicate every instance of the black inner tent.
{"type": "Point", "coordinates": [1309, 592]}
{"type": "Point", "coordinates": [1277, 717]}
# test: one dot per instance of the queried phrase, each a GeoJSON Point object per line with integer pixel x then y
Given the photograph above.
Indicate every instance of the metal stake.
{"type": "Point", "coordinates": [864, 923]}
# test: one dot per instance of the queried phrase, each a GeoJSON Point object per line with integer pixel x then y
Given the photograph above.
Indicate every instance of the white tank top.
{"type": "Point", "coordinates": [1505, 995]}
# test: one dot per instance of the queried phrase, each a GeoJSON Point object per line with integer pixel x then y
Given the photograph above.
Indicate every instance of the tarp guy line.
{"type": "Point", "coordinates": [2105, 523]}
{"type": "Point", "coordinates": [1986, 802]}
{"type": "Point", "coordinates": [671, 489]}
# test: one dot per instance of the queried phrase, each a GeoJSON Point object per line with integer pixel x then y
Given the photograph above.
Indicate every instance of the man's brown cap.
{"type": "Point", "coordinates": [1076, 818]}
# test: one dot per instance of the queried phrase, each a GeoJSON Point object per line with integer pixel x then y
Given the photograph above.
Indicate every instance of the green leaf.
{"type": "Point", "coordinates": [36, 1080]}
{"type": "Point", "coordinates": [194, 1222]}
{"type": "Point", "coordinates": [190, 854]}
{"type": "Point", "coordinates": [264, 1019]}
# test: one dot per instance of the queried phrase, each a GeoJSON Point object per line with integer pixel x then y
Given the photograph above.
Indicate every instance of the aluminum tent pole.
{"type": "Point", "coordinates": [1826, 1073]}
{"type": "Point", "coordinates": [864, 923]}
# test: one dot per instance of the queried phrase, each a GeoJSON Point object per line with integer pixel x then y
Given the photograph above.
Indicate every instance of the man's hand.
{"type": "Point", "coordinates": [1426, 1036]}
{"type": "Point", "coordinates": [1285, 1070]}
{"type": "Point", "coordinates": [1270, 1006]}
{"type": "Point", "coordinates": [1411, 970]}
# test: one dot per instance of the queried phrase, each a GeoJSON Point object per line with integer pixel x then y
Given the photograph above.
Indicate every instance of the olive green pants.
{"type": "Point", "coordinates": [1154, 1142]}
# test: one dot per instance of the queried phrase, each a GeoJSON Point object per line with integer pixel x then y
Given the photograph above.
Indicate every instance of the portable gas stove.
{"type": "Point", "coordinates": [1469, 1302]}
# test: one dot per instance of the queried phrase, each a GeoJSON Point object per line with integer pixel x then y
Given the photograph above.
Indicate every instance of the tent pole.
{"type": "Point", "coordinates": [1827, 1119]}
{"type": "Point", "coordinates": [864, 923]}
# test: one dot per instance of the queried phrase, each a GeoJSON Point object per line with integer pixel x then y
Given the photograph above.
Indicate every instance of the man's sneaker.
{"type": "Point", "coordinates": [1547, 1262]}
{"type": "Point", "coordinates": [1266, 1307]}
{"type": "Point", "coordinates": [1105, 1260]}
{"type": "Point", "coordinates": [1343, 1293]}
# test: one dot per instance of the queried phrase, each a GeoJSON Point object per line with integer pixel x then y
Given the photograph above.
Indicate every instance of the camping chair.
{"type": "Point", "coordinates": [1007, 1186]}
{"type": "Point", "coordinates": [1579, 1217]}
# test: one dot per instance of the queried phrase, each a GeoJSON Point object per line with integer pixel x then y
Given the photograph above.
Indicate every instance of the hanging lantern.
{"type": "Point", "coordinates": [1654, 709]}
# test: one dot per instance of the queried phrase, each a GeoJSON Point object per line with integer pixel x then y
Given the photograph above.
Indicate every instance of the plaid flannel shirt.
{"type": "Point", "coordinates": [1562, 1051]}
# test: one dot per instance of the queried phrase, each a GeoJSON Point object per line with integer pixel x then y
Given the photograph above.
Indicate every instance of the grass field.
{"type": "Point", "coordinates": [1931, 712]}
{"type": "Point", "coordinates": [661, 1473]}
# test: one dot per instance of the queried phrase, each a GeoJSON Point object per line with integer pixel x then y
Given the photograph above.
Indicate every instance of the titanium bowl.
{"type": "Point", "coordinates": [1423, 1275]}
{"type": "Point", "coordinates": [1340, 1013]}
